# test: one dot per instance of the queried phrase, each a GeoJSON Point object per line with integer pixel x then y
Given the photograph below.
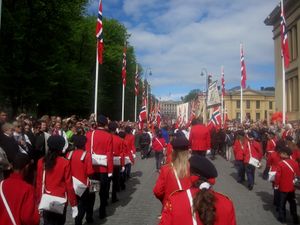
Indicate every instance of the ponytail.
{"type": "Point", "coordinates": [50, 159]}
{"type": "Point", "coordinates": [204, 205]}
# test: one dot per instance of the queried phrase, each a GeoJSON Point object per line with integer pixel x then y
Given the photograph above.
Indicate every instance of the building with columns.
{"type": "Point", "coordinates": [292, 81]}
{"type": "Point", "coordinates": [257, 104]}
{"type": "Point", "coordinates": [168, 109]}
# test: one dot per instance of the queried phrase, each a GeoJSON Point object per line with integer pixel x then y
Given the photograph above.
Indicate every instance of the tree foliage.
{"type": "Point", "coordinates": [191, 95]}
{"type": "Point", "coordinates": [47, 60]}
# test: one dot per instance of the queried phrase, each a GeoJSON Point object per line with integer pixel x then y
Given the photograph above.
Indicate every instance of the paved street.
{"type": "Point", "coordinates": [138, 206]}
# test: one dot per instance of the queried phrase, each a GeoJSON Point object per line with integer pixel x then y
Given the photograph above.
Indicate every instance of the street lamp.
{"type": "Point", "coordinates": [206, 74]}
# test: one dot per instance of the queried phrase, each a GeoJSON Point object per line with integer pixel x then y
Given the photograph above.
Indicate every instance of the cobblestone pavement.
{"type": "Point", "coordinates": [138, 206]}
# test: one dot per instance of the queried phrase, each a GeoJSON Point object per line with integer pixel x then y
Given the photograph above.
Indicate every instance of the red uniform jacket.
{"type": "Point", "coordinates": [58, 180]}
{"type": "Point", "coordinates": [238, 150]}
{"type": "Point", "coordinates": [273, 160]}
{"type": "Point", "coordinates": [81, 165]}
{"type": "Point", "coordinates": [130, 142]}
{"type": "Point", "coordinates": [102, 146]}
{"type": "Point", "coordinates": [166, 183]}
{"type": "Point", "coordinates": [199, 138]}
{"type": "Point", "coordinates": [271, 144]}
{"type": "Point", "coordinates": [158, 144]}
{"type": "Point", "coordinates": [284, 176]}
{"type": "Point", "coordinates": [296, 155]}
{"type": "Point", "coordinates": [118, 148]}
{"type": "Point", "coordinates": [128, 151]}
{"type": "Point", "coordinates": [255, 148]}
{"type": "Point", "coordinates": [177, 210]}
{"type": "Point", "coordinates": [21, 200]}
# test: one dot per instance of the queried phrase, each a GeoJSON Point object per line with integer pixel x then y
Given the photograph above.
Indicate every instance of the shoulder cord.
{"type": "Point", "coordinates": [6, 205]}
{"type": "Point", "coordinates": [189, 194]}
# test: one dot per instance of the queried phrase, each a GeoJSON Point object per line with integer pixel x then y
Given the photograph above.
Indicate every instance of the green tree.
{"type": "Point", "coordinates": [191, 95]}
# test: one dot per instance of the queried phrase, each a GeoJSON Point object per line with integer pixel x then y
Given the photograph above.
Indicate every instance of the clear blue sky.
{"type": "Point", "coordinates": [177, 39]}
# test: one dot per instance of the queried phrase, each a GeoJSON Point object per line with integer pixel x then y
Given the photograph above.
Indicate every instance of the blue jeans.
{"type": "Point", "coordinates": [240, 166]}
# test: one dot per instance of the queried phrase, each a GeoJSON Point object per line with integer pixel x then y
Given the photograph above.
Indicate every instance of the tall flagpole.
{"type": "Point", "coordinates": [96, 83]}
{"type": "Point", "coordinates": [283, 92]}
{"type": "Point", "coordinates": [222, 96]}
{"type": "Point", "coordinates": [241, 104]}
{"type": "Point", "coordinates": [123, 98]}
{"type": "Point", "coordinates": [136, 93]}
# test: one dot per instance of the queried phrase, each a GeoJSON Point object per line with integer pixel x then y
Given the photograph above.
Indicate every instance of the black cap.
{"type": "Point", "coordinates": [102, 120]}
{"type": "Point", "coordinates": [202, 167]}
{"type": "Point", "coordinates": [286, 150]}
{"type": "Point", "coordinates": [180, 143]}
{"type": "Point", "coordinates": [112, 126]}
{"type": "Point", "coordinates": [20, 161]}
{"type": "Point", "coordinates": [79, 141]}
{"type": "Point", "coordinates": [56, 143]}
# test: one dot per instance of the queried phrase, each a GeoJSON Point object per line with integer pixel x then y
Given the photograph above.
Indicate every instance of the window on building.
{"type": "Point", "coordinates": [257, 104]}
{"type": "Point", "coordinates": [257, 116]}
{"type": "Point", "coordinates": [270, 105]}
{"type": "Point", "coordinates": [238, 115]}
{"type": "Point", "coordinates": [238, 104]}
{"type": "Point", "coordinates": [248, 104]}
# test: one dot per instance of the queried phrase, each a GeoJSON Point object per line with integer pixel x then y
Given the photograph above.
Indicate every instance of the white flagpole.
{"type": "Point", "coordinates": [283, 92]}
{"type": "Point", "coordinates": [135, 98]}
{"type": "Point", "coordinates": [123, 98]}
{"type": "Point", "coordinates": [241, 104]}
{"type": "Point", "coordinates": [96, 84]}
{"type": "Point", "coordinates": [222, 97]}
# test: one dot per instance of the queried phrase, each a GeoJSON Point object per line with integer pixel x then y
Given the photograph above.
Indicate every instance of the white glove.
{"type": "Point", "coordinates": [110, 174]}
{"type": "Point", "coordinates": [74, 211]}
{"type": "Point", "coordinates": [123, 169]}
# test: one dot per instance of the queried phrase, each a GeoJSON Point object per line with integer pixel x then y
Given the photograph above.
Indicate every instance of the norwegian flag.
{"type": "Point", "coordinates": [215, 119]}
{"type": "Point", "coordinates": [99, 34]}
{"type": "Point", "coordinates": [124, 66]}
{"type": "Point", "coordinates": [223, 82]}
{"type": "Point", "coordinates": [136, 81]}
{"type": "Point", "coordinates": [243, 68]}
{"type": "Point", "coordinates": [143, 114]}
{"type": "Point", "coordinates": [284, 38]}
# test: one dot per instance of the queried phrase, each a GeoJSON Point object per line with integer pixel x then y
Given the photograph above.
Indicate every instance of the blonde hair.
{"type": "Point", "coordinates": [180, 160]}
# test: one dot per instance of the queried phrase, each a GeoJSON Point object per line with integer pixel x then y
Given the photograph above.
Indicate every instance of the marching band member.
{"type": "Point", "coordinates": [238, 151]}
{"type": "Point", "coordinates": [174, 176]}
{"type": "Point", "coordinates": [199, 204]}
{"type": "Point", "coordinates": [99, 145]}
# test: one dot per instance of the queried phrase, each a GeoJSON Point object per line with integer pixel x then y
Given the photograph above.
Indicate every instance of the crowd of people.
{"type": "Point", "coordinates": [51, 162]}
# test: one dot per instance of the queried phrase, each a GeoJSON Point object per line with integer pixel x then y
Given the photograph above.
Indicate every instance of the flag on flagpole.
{"type": "Point", "coordinates": [243, 69]}
{"type": "Point", "coordinates": [284, 38]}
{"type": "Point", "coordinates": [124, 67]}
{"type": "Point", "coordinates": [223, 82]}
{"type": "Point", "coordinates": [136, 82]}
{"type": "Point", "coordinates": [99, 34]}
{"type": "Point", "coordinates": [215, 120]}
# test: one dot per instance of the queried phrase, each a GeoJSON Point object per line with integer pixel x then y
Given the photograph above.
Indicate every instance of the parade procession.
{"type": "Point", "coordinates": [118, 112]}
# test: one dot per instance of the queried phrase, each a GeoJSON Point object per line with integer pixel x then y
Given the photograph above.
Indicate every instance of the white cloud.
{"type": "Point", "coordinates": [186, 36]}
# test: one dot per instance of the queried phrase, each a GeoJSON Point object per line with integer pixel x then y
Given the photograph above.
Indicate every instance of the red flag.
{"type": "Point", "coordinates": [99, 34]}
{"type": "Point", "coordinates": [284, 38]}
{"type": "Point", "coordinates": [124, 67]}
{"type": "Point", "coordinates": [158, 116]}
{"type": "Point", "coordinates": [243, 69]}
{"type": "Point", "coordinates": [223, 82]}
{"type": "Point", "coordinates": [136, 82]}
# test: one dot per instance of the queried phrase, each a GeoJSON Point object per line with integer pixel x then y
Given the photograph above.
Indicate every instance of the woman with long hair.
{"type": "Point", "coordinates": [175, 175]}
{"type": "Point", "coordinates": [54, 178]}
{"type": "Point", "coordinates": [199, 205]}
